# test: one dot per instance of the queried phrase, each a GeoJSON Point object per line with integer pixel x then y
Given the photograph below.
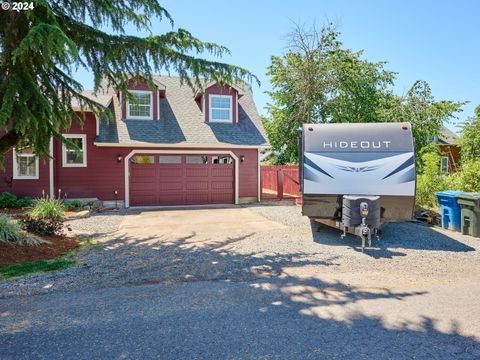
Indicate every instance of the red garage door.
{"type": "Point", "coordinates": [181, 179]}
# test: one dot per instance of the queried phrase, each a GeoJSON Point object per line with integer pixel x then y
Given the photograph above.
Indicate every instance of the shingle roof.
{"type": "Point", "coordinates": [182, 122]}
{"type": "Point", "coordinates": [447, 136]}
{"type": "Point", "coordinates": [102, 97]}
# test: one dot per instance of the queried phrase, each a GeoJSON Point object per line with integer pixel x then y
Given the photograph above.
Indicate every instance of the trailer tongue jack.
{"type": "Point", "coordinates": [362, 215]}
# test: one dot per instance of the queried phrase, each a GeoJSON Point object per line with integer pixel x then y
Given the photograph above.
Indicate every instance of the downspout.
{"type": "Point", "coordinates": [52, 185]}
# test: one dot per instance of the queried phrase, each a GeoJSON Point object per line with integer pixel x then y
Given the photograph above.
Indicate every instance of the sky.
{"type": "Point", "coordinates": [437, 41]}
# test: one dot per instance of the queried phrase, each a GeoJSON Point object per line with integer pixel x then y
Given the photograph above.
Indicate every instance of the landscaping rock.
{"type": "Point", "coordinates": [83, 214]}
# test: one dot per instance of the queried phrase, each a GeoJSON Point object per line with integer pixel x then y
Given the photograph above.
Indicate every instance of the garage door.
{"type": "Point", "coordinates": [181, 179]}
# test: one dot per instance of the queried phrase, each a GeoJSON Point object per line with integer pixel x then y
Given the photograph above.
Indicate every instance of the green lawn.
{"type": "Point", "coordinates": [39, 266]}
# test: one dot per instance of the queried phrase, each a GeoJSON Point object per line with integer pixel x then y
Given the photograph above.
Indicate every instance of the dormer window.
{"type": "Point", "coordinates": [220, 108]}
{"type": "Point", "coordinates": [142, 108]}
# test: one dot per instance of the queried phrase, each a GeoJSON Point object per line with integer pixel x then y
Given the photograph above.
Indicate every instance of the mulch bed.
{"type": "Point", "coordinates": [59, 245]}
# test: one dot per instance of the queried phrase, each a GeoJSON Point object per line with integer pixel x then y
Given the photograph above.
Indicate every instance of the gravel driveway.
{"type": "Point", "coordinates": [408, 253]}
{"type": "Point", "coordinates": [280, 286]}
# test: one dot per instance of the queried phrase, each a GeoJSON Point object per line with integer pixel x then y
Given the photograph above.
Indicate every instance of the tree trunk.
{"type": "Point", "coordinates": [7, 141]}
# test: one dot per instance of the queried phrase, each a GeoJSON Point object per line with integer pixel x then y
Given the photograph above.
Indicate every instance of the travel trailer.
{"type": "Point", "coordinates": [357, 176]}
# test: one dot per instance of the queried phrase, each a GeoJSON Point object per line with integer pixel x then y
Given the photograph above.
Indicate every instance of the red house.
{"type": "Point", "coordinates": [449, 148]}
{"type": "Point", "coordinates": [170, 147]}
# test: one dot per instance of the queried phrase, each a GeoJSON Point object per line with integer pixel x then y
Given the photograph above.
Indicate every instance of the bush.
{"type": "Point", "coordinates": [9, 230]}
{"type": "Point", "coordinates": [43, 226]}
{"type": "Point", "coordinates": [469, 176]}
{"type": "Point", "coordinates": [8, 200]}
{"type": "Point", "coordinates": [429, 181]}
{"type": "Point", "coordinates": [24, 202]}
{"type": "Point", "coordinates": [73, 205]}
{"type": "Point", "coordinates": [47, 208]}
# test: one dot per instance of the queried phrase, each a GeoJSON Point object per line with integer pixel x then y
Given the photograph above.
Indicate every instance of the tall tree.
{"type": "Point", "coordinates": [319, 81]}
{"type": "Point", "coordinates": [470, 137]}
{"type": "Point", "coordinates": [40, 47]}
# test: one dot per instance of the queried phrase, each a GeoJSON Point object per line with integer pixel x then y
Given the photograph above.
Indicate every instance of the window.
{"type": "Point", "coordinates": [142, 108]}
{"type": "Point", "coordinates": [25, 164]}
{"type": "Point", "coordinates": [75, 156]}
{"type": "Point", "coordinates": [170, 159]}
{"type": "Point", "coordinates": [197, 159]}
{"type": "Point", "coordinates": [444, 164]}
{"type": "Point", "coordinates": [220, 108]}
{"type": "Point", "coordinates": [222, 160]}
{"type": "Point", "coordinates": [143, 159]}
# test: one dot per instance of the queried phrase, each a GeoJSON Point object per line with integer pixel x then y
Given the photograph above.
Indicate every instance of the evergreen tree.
{"type": "Point", "coordinates": [40, 47]}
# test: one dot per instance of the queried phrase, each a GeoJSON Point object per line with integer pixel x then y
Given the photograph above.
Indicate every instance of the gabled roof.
{"type": "Point", "coordinates": [103, 97]}
{"type": "Point", "coordinates": [182, 123]}
{"type": "Point", "coordinates": [200, 92]}
{"type": "Point", "coordinates": [447, 137]}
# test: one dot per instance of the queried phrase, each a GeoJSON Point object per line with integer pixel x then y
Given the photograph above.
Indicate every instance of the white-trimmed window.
{"type": "Point", "coordinates": [142, 108]}
{"type": "Point", "coordinates": [444, 164]}
{"type": "Point", "coordinates": [25, 165]}
{"type": "Point", "coordinates": [220, 107]}
{"type": "Point", "coordinates": [75, 156]}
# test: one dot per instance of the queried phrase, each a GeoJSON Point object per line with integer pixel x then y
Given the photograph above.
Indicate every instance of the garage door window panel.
{"type": "Point", "coordinates": [170, 159]}
{"type": "Point", "coordinates": [197, 160]}
{"type": "Point", "coordinates": [222, 160]}
{"type": "Point", "coordinates": [143, 159]}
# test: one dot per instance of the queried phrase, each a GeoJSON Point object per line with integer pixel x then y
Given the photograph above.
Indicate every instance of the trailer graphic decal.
{"type": "Point", "coordinates": [388, 175]}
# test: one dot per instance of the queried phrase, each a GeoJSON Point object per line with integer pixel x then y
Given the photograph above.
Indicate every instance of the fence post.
{"type": "Point", "coordinates": [280, 184]}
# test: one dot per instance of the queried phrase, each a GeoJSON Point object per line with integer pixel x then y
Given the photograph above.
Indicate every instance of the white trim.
{"type": "Point", "coordinates": [210, 119]}
{"type": "Point", "coordinates": [50, 171]}
{"type": "Point", "coordinates": [158, 104]}
{"type": "Point", "coordinates": [441, 164]}
{"type": "Point", "coordinates": [258, 177]}
{"type": "Point", "coordinates": [151, 105]}
{"type": "Point", "coordinates": [16, 176]}
{"type": "Point", "coordinates": [84, 149]}
{"type": "Point", "coordinates": [205, 119]}
{"type": "Point", "coordinates": [121, 107]}
{"type": "Point", "coordinates": [236, 107]}
{"type": "Point", "coordinates": [211, 83]}
{"type": "Point", "coordinates": [208, 152]}
{"type": "Point", "coordinates": [97, 125]}
{"type": "Point", "coordinates": [181, 146]}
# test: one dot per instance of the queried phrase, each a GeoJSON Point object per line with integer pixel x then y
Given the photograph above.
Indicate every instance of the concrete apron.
{"type": "Point", "coordinates": [191, 222]}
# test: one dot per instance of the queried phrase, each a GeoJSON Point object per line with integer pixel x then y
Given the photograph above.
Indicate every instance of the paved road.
{"type": "Point", "coordinates": [278, 318]}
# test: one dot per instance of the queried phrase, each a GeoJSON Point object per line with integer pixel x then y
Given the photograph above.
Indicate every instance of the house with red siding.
{"type": "Point", "coordinates": [169, 147]}
{"type": "Point", "coordinates": [449, 149]}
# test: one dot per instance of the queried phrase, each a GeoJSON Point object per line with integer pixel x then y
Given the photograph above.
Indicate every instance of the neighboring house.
{"type": "Point", "coordinates": [171, 147]}
{"type": "Point", "coordinates": [449, 151]}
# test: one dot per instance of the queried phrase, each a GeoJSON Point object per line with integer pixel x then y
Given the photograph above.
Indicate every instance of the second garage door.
{"type": "Point", "coordinates": [181, 179]}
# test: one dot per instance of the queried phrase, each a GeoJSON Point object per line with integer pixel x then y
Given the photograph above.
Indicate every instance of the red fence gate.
{"type": "Point", "coordinates": [279, 181]}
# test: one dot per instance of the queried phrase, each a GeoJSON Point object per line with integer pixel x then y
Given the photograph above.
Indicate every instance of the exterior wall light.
{"type": "Point", "coordinates": [242, 158]}
{"type": "Point", "coordinates": [119, 158]}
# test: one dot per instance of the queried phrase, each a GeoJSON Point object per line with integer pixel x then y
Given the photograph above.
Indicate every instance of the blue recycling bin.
{"type": "Point", "coordinates": [450, 210]}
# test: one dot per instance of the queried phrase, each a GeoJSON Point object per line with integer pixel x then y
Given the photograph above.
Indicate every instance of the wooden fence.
{"type": "Point", "coordinates": [279, 182]}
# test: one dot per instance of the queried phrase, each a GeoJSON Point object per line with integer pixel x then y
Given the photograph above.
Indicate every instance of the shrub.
{"type": "Point", "coordinates": [429, 181]}
{"type": "Point", "coordinates": [24, 202]}
{"type": "Point", "coordinates": [8, 200]}
{"type": "Point", "coordinates": [9, 230]}
{"type": "Point", "coordinates": [470, 176]}
{"type": "Point", "coordinates": [73, 205]}
{"type": "Point", "coordinates": [43, 226]}
{"type": "Point", "coordinates": [47, 208]}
